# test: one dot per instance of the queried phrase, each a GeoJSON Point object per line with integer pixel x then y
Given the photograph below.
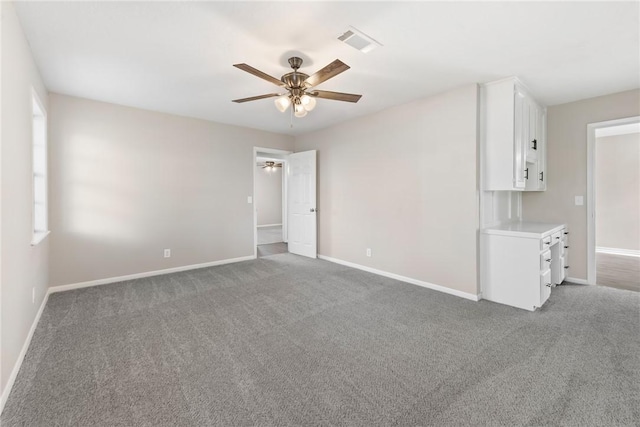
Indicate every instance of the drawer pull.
{"type": "Point", "coordinates": [566, 247]}
{"type": "Point", "coordinates": [547, 243]}
{"type": "Point", "coordinates": [557, 238]}
{"type": "Point", "coordinates": [548, 260]}
{"type": "Point", "coordinates": [566, 266]}
{"type": "Point", "coordinates": [566, 232]}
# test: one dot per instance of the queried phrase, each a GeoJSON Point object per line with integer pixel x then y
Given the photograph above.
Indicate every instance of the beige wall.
{"type": "Point", "coordinates": [403, 183]}
{"type": "Point", "coordinates": [617, 184]}
{"type": "Point", "coordinates": [567, 167]}
{"type": "Point", "coordinates": [24, 267]}
{"type": "Point", "coordinates": [128, 183]}
{"type": "Point", "coordinates": [269, 195]}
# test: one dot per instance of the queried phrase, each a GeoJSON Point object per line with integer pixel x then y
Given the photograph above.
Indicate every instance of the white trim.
{"type": "Point", "coordinates": [269, 225]}
{"type": "Point", "coordinates": [417, 282]}
{"type": "Point", "coordinates": [39, 237]}
{"type": "Point", "coordinates": [16, 368]}
{"type": "Point", "coordinates": [618, 251]}
{"type": "Point", "coordinates": [576, 281]}
{"type": "Point", "coordinates": [591, 190]}
{"type": "Point", "coordinates": [108, 280]}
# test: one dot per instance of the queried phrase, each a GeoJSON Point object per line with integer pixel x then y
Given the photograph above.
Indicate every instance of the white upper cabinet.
{"type": "Point", "coordinates": [513, 128]}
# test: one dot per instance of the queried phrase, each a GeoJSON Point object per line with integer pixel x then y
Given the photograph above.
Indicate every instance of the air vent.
{"type": "Point", "coordinates": [359, 40]}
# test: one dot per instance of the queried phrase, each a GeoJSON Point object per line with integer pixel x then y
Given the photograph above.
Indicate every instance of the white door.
{"type": "Point", "coordinates": [301, 173]}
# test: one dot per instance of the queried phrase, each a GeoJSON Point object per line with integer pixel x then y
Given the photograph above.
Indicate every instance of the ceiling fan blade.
{"type": "Point", "coordinates": [336, 96]}
{"type": "Point", "coordinates": [249, 69]}
{"type": "Point", "coordinates": [254, 98]}
{"type": "Point", "coordinates": [331, 70]}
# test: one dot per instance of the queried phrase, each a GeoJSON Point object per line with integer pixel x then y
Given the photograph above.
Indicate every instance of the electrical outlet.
{"type": "Point", "coordinates": [33, 295]}
{"type": "Point", "coordinates": [167, 253]}
{"type": "Point", "coordinates": [368, 251]}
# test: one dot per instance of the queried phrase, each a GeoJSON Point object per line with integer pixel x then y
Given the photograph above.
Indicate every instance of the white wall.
{"type": "Point", "coordinates": [617, 184]}
{"type": "Point", "coordinates": [24, 267]}
{"type": "Point", "coordinates": [128, 183]}
{"type": "Point", "coordinates": [269, 195]}
{"type": "Point", "coordinates": [567, 167]}
{"type": "Point", "coordinates": [403, 182]}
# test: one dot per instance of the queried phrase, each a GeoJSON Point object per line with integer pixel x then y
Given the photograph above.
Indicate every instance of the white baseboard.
{"type": "Point", "coordinates": [618, 251]}
{"type": "Point", "coordinates": [576, 281]}
{"type": "Point", "coordinates": [428, 285]}
{"type": "Point", "coordinates": [108, 280]}
{"type": "Point", "coordinates": [23, 352]}
{"type": "Point", "coordinates": [270, 225]}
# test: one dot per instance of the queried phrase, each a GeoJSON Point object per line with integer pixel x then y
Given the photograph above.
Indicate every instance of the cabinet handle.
{"type": "Point", "coordinates": [526, 173]}
{"type": "Point", "coordinates": [547, 243]}
{"type": "Point", "coordinates": [542, 176]}
{"type": "Point", "coordinates": [566, 247]}
{"type": "Point", "coordinates": [548, 260]}
{"type": "Point", "coordinates": [548, 285]}
{"type": "Point", "coordinates": [566, 266]}
{"type": "Point", "coordinates": [535, 144]}
{"type": "Point", "coordinates": [566, 232]}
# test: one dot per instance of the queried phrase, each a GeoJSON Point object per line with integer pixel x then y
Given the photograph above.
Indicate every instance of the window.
{"type": "Point", "coordinates": [40, 227]}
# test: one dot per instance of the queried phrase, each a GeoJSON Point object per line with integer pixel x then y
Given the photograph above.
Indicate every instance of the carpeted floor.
{"type": "Point", "coordinates": [285, 340]}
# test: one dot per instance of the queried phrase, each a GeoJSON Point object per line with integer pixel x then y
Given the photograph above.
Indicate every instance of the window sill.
{"type": "Point", "coordinates": [39, 237]}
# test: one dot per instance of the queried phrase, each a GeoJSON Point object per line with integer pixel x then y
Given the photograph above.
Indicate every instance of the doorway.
{"type": "Point", "coordinates": [614, 204]}
{"type": "Point", "coordinates": [270, 201]}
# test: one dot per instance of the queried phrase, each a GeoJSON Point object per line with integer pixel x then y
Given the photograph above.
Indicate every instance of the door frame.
{"type": "Point", "coordinates": [591, 189]}
{"type": "Point", "coordinates": [284, 153]}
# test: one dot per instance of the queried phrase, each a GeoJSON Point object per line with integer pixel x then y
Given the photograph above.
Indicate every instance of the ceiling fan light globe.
{"type": "Point", "coordinates": [301, 113]}
{"type": "Point", "coordinates": [282, 103]}
{"type": "Point", "coordinates": [308, 102]}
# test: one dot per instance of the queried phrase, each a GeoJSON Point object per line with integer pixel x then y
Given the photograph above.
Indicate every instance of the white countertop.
{"type": "Point", "coordinates": [535, 230]}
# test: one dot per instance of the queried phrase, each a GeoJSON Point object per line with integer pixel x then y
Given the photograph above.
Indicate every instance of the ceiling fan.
{"type": "Point", "coordinates": [299, 86]}
{"type": "Point", "coordinates": [270, 165]}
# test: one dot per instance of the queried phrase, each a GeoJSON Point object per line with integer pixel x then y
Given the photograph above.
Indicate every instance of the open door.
{"type": "Point", "coordinates": [301, 174]}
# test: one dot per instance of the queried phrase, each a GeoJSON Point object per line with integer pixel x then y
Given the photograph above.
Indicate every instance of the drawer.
{"type": "Point", "coordinates": [545, 243]}
{"type": "Point", "coordinates": [545, 260]}
{"type": "Point", "coordinates": [557, 237]}
{"type": "Point", "coordinates": [545, 287]}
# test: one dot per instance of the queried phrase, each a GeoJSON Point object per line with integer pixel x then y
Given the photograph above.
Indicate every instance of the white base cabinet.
{"type": "Point", "coordinates": [522, 262]}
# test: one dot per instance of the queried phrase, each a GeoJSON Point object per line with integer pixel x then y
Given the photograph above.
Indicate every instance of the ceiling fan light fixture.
{"type": "Point", "coordinates": [282, 103]}
{"type": "Point", "coordinates": [299, 110]}
{"type": "Point", "coordinates": [308, 102]}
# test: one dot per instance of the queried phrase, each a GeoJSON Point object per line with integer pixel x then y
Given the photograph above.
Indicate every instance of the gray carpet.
{"type": "Point", "coordinates": [267, 235]}
{"type": "Point", "coordinates": [285, 340]}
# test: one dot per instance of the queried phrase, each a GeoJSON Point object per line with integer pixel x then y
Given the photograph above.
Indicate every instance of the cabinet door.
{"type": "Point", "coordinates": [521, 134]}
{"type": "Point", "coordinates": [533, 137]}
{"type": "Point", "coordinates": [541, 126]}
{"type": "Point", "coordinates": [545, 287]}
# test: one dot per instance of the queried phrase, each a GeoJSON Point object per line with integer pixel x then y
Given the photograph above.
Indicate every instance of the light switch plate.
{"type": "Point", "coordinates": [579, 200]}
{"type": "Point", "coordinates": [249, 199]}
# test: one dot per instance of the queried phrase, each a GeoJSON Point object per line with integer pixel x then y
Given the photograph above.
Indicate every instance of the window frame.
{"type": "Point", "coordinates": [38, 111]}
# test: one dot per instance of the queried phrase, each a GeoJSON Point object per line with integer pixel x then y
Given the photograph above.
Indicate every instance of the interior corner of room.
{"type": "Point", "coordinates": [477, 184]}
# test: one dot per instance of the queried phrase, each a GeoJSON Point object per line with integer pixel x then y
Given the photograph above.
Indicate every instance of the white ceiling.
{"type": "Point", "coordinates": [177, 57]}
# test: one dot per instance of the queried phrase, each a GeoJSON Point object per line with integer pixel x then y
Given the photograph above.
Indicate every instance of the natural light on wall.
{"type": "Point", "coordinates": [40, 228]}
